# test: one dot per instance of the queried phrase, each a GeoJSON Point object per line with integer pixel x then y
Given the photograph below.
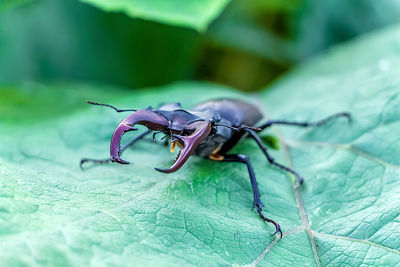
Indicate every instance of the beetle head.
{"type": "Point", "coordinates": [186, 130]}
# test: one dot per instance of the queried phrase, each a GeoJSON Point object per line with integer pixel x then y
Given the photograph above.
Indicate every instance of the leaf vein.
{"type": "Point", "coordinates": [364, 241]}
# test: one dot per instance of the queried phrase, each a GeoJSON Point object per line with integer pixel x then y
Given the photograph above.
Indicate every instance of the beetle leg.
{"type": "Point", "coordinates": [307, 124]}
{"type": "Point", "coordinates": [114, 108]}
{"type": "Point", "coordinates": [242, 127]}
{"type": "Point", "coordinates": [108, 160]}
{"type": "Point", "coordinates": [94, 161]}
{"type": "Point", "coordinates": [271, 159]}
{"type": "Point", "coordinates": [256, 194]}
{"type": "Point", "coordinates": [165, 139]}
{"type": "Point", "coordinates": [215, 154]}
{"type": "Point", "coordinates": [154, 137]}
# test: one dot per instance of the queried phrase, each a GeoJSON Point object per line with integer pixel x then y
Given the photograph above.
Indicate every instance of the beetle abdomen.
{"type": "Point", "coordinates": [235, 111]}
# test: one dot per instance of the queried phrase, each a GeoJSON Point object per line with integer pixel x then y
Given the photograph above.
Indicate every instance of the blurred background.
{"type": "Point", "coordinates": [250, 44]}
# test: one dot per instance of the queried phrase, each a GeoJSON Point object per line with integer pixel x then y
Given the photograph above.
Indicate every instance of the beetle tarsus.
{"type": "Point", "coordinates": [257, 203]}
{"type": "Point", "coordinates": [94, 161]}
{"type": "Point", "coordinates": [277, 226]}
{"type": "Point", "coordinates": [154, 137]}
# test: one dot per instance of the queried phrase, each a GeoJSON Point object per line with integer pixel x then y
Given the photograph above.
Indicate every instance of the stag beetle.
{"type": "Point", "coordinates": [209, 130]}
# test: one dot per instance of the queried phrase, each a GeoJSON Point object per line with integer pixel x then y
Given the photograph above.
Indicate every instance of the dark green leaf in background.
{"type": "Point", "coordinates": [287, 32]}
{"type": "Point", "coordinates": [189, 13]}
{"type": "Point", "coordinates": [346, 213]}
{"type": "Point", "coordinates": [247, 46]}
{"type": "Point", "coordinates": [69, 40]}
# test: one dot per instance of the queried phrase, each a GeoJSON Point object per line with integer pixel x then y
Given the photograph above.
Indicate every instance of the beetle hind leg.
{"type": "Point", "coordinates": [346, 115]}
{"type": "Point", "coordinates": [257, 203]}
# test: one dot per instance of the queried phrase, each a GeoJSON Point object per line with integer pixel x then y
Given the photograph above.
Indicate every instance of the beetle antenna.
{"type": "Point", "coordinates": [239, 128]}
{"type": "Point", "coordinates": [106, 105]}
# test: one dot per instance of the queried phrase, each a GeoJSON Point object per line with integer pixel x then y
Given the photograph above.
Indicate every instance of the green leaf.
{"type": "Point", "coordinates": [271, 141]}
{"type": "Point", "coordinates": [129, 58]}
{"type": "Point", "coordinates": [346, 213]}
{"type": "Point", "coordinates": [189, 13]}
{"type": "Point", "coordinates": [349, 202]}
{"type": "Point", "coordinates": [292, 41]}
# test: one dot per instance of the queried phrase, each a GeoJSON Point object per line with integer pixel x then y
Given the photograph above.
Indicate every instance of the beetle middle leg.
{"type": "Point", "coordinates": [270, 158]}
{"type": "Point", "coordinates": [256, 194]}
{"type": "Point", "coordinates": [108, 160]}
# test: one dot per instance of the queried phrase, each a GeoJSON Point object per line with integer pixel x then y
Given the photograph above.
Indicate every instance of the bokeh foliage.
{"type": "Point", "coordinates": [248, 45]}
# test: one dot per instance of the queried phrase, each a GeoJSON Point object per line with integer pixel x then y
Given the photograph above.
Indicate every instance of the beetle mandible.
{"type": "Point", "coordinates": [209, 130]}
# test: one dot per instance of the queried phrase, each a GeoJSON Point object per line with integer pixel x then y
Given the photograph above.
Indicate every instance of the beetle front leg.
{"type": "Point", "coordinates": [108, 160]}
{"type": "Point", "coordinates": [256, 194]}
{"type": "Point", "coordinates": [271, 159]}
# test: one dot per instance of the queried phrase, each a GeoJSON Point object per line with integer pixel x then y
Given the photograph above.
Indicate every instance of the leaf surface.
{"type": "Point", "coordinates": [347, 212]}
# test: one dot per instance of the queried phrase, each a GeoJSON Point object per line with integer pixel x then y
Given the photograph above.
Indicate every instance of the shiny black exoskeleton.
{"type": "Point", "coordinates": [209, 130]}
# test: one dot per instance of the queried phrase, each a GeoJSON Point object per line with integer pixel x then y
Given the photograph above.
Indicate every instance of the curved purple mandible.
{"type": "Point", "coordinates": [189, 145]}
{"type": "Point", "coordinates": [145, 117]}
